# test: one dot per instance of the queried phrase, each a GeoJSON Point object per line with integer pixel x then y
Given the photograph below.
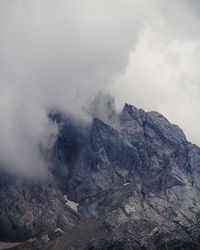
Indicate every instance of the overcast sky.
{"type": "Point", "coordinates": [59, 53]}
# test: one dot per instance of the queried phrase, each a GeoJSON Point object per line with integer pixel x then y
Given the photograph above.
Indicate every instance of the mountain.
{"type": "Point", "coordinates": [123, 181]}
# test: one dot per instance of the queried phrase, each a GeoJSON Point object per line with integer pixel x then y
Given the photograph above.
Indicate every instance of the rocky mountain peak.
{"type": "Point", "coordinates": [103, 108]}
{"type": "Point", "coordinates": [135, 176]}
{"type": "Point", "coordinates": [162, 127]}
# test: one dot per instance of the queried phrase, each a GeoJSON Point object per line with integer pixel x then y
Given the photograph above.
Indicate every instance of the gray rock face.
{"type": "Point", "coordinates": [27, 210]}
{"type": "Point", "coordinates": [135, 175]}
{"type": "Point", "coordinates": [139, 177]}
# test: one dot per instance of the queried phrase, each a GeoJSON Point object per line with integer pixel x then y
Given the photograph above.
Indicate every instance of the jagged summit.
{"type": "Point", "coordinates": [135, 177]}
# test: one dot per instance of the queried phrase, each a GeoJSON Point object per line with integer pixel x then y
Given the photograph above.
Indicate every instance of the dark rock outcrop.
{"type": "Point", "coordinates": [139, 178]}
{"type": "Point", "coordinates": [135, 176]}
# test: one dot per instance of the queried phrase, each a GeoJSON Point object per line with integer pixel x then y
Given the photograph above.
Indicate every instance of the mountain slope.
{"type": "Point", "coordinates": [135, 177]}
{"type": "Point", "coordinates": [139, 177]}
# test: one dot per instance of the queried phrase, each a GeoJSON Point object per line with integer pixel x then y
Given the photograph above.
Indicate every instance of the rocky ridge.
{"type": "Point", "coordinates": [135, 177]}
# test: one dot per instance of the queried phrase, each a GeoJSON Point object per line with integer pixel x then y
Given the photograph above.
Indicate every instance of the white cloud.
{"type": "Point", "coordinates": [59, 53]}
{"type": "Point", "coordinates": [55, 54]}
{"type": "Point", "coordinates": [163, 73]}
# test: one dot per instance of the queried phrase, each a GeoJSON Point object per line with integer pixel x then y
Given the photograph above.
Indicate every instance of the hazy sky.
{"type": "Point", "coordinates": [59, 53]}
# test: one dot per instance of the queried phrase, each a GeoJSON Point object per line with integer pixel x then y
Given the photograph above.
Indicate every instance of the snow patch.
{"type": "Point", "coordinates": [59, 230]}
{"type": "Point", "coordinates": [31, 239]}
{"type": "Point", "coordinates": [71, 204]}
{"type": "Point", "coordinates": [125, 184]}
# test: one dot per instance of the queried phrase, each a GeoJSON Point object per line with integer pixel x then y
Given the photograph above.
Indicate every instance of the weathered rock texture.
{"type": "Point", "coordinates": [27, 210]}
{"type": "Point", "coordinates": [134, 175]}
{"type": "Point", "coordinates": [139, 177]}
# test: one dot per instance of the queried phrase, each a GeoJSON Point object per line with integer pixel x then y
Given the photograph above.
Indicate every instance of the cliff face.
{"type": "Point", "coordinates": [135, 176]}
{"type": "Point", "coordinates": [138, 176]}
{"type": "Point", "coordinates": [28, 210]}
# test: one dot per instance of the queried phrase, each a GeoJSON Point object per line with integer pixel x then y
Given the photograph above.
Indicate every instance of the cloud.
{"type": "Point", "coordinates": [24, 131]}
{"type": "Point", "coordinates": [58, 54]}
{"type": "Point", "coordinates": [55, 54]}
{"type": "Point", "coordinates": [103, 108]}
{"type": "Point", "coordinates": [162, 73]}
